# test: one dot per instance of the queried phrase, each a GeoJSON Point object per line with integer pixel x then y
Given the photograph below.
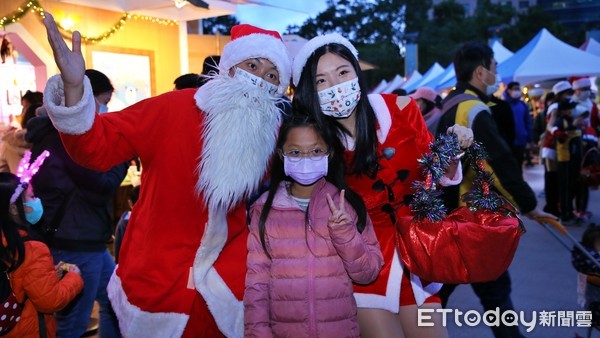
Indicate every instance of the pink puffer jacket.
{"type": "Point", "coordinates": [305, 290]}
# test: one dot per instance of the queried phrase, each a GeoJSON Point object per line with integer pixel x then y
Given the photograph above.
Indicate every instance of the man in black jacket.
{"type": "Point", "coordinates": [477, 78]}
{"type": "Point", "coordinates": [77, 217]}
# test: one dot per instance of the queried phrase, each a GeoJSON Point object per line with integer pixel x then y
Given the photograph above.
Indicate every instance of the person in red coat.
{"type": "Point", "coordinates": [28, 264]}
{"type": "Point", "coordinates": [384, 136]}
{"type": "Point", "coordinates": [183, 259]}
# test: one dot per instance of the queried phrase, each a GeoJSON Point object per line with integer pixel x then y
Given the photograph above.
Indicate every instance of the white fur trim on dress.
{"type": "Point", "coordinates": [74, 120]}
{"type": "Point", "coordinates": [391, 300]}
{"type": "Point", "coordinates": [134, 322]}
{"type": "Point", "coordinates": [383, 115]}
{"type": "Point", "coordinates": [226, 309]}
{"type": "Point", "coordinates": [258, 46]}
{"type": "Point", "coordinates": [318, 41]}
{"type": "Point", "coordinates": [422, 293]}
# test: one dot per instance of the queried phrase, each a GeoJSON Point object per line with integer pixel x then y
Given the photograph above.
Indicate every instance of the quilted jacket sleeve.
{"type": "Point", "coordinates": [37, 279]}
{"type": "Point", "coordinates": [256, 297]}
{"type": "Point", "coordinates": [360, 252]}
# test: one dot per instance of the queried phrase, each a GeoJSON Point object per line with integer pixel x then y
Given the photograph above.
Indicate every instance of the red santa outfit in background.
{"type": "Point", "coordinates": [183, 258]}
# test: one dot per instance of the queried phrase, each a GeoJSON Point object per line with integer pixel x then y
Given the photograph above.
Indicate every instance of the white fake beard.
{"type": "Point", "coordinates": [239, 137]}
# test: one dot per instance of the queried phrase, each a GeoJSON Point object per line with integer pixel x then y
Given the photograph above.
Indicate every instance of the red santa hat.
{"type": "Point", "coordinates": [318, 41]}
{"type": "Point", "coordinates": [249, 42]}
{"type": "Point", "coordinates": [582, 82]}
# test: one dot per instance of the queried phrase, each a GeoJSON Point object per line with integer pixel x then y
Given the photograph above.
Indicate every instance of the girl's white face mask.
{"type": "Point", "coordinates": [339, 101]}
{"type": "Point", "coordinates": [255, 80]}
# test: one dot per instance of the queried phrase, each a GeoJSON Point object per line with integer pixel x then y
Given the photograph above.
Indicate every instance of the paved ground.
{"type": "Point", "coordinates": [542, 276]}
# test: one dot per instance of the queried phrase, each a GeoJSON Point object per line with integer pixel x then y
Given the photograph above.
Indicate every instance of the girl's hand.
{"type": "Point", "coordinates": [464, 134]}
{"type": "Point", "coordinates": [339, 215]}
{"type": "Point", "coordinates": [69, 62]}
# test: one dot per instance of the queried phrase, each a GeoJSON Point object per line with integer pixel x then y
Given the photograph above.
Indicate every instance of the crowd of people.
{"type": "Point", "coordinates": [259, 215]}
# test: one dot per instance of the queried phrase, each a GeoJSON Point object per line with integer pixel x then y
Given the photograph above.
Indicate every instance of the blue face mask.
{"type": "Point", "coordinates": [38, 210]}
{"type": "Point", "coordinates": [102, 109]}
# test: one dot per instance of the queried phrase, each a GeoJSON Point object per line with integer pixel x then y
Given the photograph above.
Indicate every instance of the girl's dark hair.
{"type": "Point", "coordinates": [99, 81]}
{"type": "Point", "coordinates": [306, 98]}
{"type": "Point", "coordinates": [13, 253]}
{"type": "Point", "coordinates": [335, 172]}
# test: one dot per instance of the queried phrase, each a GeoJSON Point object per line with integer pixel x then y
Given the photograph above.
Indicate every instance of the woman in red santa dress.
{"type": "Point", "coordinates": [183, 259]}
{"type": "Point", "coordinates": [384, 135]}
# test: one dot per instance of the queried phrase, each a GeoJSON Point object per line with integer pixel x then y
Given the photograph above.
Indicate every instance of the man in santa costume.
{"type": "Point", "coordinates": [183, 258]}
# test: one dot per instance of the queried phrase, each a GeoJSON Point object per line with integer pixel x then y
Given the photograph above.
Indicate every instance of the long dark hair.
{"type": "Point", "coordinates": [335, 172]}
{"type": "Point", "coordinates": [306, 98]}
{"type": "Point", "coordinates": [13, 253]}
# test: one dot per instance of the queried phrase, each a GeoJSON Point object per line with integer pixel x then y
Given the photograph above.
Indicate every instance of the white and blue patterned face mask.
{"type": "Point", "coordinates": [255, 80]}
{"type": "Point", "coordinates": [340, 100]}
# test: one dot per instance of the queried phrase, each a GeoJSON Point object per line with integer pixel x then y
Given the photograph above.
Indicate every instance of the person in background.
{"type": "Point", "coordinates": [13, 144]}
{"type": "Point", "coordinates": [383, 136]}
{"type": "Point", "coordinates": [476, 75]}
{"type": "Point", "coordinates": [210, 65]}
{"type": "Point", "coordinates": [567, 137]}
{"type": "Point", "coordinates": [299, 290]}
{"type": "Point", "coordinates": [102, 89]}
{"type": "Point", "coordinates": [562, 91]}
{"type": "Point", "coordinates": [522, 122]}
{"type": "Point", "coordinates": [134, 194]}
{"type": "Point", "coordinates": [78, 219]}
{"type": "Point", "coordinates": [582, 114]}
{"type": "Point", "coordinates": [429, 103]}
{"type": "Point", "coordinates": [36, 282]}
{"type": "Point", "coordinates": [184, 81]}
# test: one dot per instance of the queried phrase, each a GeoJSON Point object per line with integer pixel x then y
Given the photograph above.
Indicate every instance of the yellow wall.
{"type": "Point", "coordinates": [137, 36]}
{"type": "Point", "coordinates": [201, 46]}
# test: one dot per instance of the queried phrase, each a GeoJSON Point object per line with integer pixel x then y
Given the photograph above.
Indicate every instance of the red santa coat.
{"type": "Point", "coordinates": [164, 258]}
{"type": "Point", "coordinates": [403, 138]}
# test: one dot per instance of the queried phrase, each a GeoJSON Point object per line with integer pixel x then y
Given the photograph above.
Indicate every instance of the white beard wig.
{"type": "Point", "coordinates": [239, 137]}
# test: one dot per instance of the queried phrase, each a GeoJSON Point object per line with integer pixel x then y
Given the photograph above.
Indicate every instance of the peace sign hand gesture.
{"type": "Point", "coordinates": [339, 216]}
{"type": "Point", "coordinates": [70, 62]}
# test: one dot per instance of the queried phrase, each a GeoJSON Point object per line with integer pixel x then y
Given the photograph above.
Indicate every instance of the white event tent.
{"type": "Point", "coordinates": [394, 84]}
{"type": "Point", "coordinates": [591, 46]}
{"type": "Point", "coordinates": [545, 57]}
{"type": "Point", "coordinates": [432, 73]}
{"type": "Point", "coordinates": [380, 87]}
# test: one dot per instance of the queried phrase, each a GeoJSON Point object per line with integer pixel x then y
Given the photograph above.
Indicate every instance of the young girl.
{"type": "Point", "coordinates": [310, 238]}
{"type": "Point", "coordinates": [29, 265]}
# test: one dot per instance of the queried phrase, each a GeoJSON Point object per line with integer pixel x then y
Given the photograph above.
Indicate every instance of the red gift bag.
{"type": "Point", "coordinates": [471, 244]}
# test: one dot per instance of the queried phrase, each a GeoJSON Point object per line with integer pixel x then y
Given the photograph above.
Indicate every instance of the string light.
{"type": "Point", "coordinates": [34, 6]}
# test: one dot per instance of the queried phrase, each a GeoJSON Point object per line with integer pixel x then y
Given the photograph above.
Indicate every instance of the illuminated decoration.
{"type": "Point", "coordinates": [180, 3]}
{"type": "Point", "coordinates": [26, 171]}
{"type": "Point", "coordinates": [34, 6]}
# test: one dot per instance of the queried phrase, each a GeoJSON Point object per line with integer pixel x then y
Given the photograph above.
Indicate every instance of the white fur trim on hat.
{"type": "Point", "coordinates": [318, 41]}
{"type": "Point", "coordinates": [258, 46]}
{"type": "Point", "coordinates": [74, 120]}
{"type": "Point", "coordinates": [582, 83]}
{"type": "Point", "coordinates": [560, 87]}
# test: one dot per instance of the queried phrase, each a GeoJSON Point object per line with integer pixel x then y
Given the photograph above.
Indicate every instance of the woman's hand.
{"type": "Point", "coordinates": [464, 134]}
{"type": "Point", "coordinates": [339, 216]}
{"type": "Point", "coordinates": [69, 62]}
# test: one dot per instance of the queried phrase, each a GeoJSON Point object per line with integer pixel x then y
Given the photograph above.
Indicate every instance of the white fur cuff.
{"type": "Point", "coordinates": [135, 322]}
{"type": "Point", "coordinates": [445, 181]}
{"type": "Point", "coordinates": [75, 120]}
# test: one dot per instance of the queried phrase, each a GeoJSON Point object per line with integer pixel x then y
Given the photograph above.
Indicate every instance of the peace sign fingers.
{"type": "Point", "coordinates": [339, 215]}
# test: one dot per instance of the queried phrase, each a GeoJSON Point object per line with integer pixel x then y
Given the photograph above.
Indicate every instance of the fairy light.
{"type": "Point", "coordinates": [26, 171]}
{"type": "Point", "coordinates": [34, 6]}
